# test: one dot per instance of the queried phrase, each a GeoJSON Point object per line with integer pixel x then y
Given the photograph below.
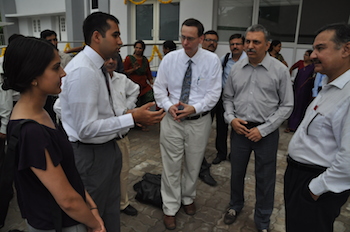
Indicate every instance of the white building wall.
{"type": "Point", "coordinates": [25, 26]}
{"type": "Point", "coordinates": [120, 10]}
{"type": "Point", "coordinates": [30, 7]}
{"type": "Point", "coordinates": [198, 9]}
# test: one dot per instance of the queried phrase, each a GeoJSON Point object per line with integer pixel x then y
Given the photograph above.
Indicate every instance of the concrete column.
{"type": "Point", "coordinates": [75, 16]}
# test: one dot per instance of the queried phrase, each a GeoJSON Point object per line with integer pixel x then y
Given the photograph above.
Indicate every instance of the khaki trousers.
{"type": "Point", "coordinates": [181, 140]}
{"type": "Point", "coordinates": [124, 146]}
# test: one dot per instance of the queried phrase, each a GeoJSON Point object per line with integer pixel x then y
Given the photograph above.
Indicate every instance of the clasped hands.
{"type": "Point", "coordinates": [252, 134]}
{"type": "Point", "coordinates": [181, 110]}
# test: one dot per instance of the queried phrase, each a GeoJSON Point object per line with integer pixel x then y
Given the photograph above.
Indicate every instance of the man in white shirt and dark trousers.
{"type": "Point", "coordinates": [257, 98]}
{"type": "Point", "coordinates": [317, 179]}
{"type": "Point", "coordinates": [210, 43]}
{"type": "Point", "coordinates": [90, 120]}
{"type": "Point", "coordinates": [125, 96]}
{"type": "Point", "coordinates": [187, 87]}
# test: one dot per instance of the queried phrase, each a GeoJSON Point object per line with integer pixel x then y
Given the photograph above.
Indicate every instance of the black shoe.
{"type": "Point", "coordinates": [217, 160]}
{"type": "Point", "coordinates": [129, 210]}
{"type": "Point", "coordinates": [230, 216]}
{"type": "Point", "coordinates": [207, 178]}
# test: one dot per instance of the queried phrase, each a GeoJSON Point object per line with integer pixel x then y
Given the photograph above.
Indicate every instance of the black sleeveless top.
{"type": "Point", "coordinates": [33, 197]}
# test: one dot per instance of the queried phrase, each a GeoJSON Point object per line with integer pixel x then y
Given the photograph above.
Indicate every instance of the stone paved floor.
{"type": "Point", "coordinates": [211, 202]}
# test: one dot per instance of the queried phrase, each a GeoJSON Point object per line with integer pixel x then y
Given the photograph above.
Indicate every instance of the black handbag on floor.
{"type": "Point", "coordinates": [148, 190]}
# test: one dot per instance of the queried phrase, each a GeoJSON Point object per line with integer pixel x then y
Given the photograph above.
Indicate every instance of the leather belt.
{"type": "Point", "coordinates": [123, 136]}
{"type": "Point", "coordinates": [197, 116]}
{"type": "Point", "coordinates": [251, 125]}
{"type": "Point", "coordinates": [305, 167]}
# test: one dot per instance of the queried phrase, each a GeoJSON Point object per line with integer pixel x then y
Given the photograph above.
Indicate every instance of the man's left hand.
{"type": "Point", "coordinates": [315, 197]}
{"type": "Point", "coordinates": [254, 135]}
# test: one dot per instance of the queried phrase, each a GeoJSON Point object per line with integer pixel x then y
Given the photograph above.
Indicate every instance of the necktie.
{"type": "Point", "coordinates": [186, 85]}
{"type": "Point", "coordinates": [106, 75]}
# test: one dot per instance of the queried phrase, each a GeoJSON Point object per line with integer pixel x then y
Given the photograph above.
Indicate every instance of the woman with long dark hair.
{"type": "Point", "coordinates": [45, 168]}
{"type": "Point", "coordinates": [136, 67]}
{"type": "Point", "coordinates": [274, 51]}
{"type": "Point", "coordinates": [302, 87]}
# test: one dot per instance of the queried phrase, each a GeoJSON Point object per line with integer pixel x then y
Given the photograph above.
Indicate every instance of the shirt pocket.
{"type": "Point", "coordinates": [200, 82]}
{"type": "Point", "coordinates": [315, 126]}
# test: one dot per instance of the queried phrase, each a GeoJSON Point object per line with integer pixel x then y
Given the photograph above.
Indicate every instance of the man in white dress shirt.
{"type": "Point", "coordinates": [125, 96]}
{"type": "Point", "coordinates": [185, 129]}
{"type": "Point", "coordinates": [90, 120]}
{"type": "Point", "coordinates": [317, 179]}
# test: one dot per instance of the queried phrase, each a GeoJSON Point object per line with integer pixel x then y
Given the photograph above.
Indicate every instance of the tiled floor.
{"type": "Point", "coordinates": [211, 202]}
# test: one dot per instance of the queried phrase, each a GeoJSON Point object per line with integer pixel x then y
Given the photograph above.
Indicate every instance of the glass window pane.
{"type": "Point", "coordinates": [144, 22]}
{"type": "Point", "coordinates": [316, 14]}
{"type": "Point", "coordinates": [233, 17]}
{"type": "Point", "coordinates": [280, 18]}
{"type": "Point", "coordinates": [169, 21]}
{"type": "Point", "coordinates": [94, 4]}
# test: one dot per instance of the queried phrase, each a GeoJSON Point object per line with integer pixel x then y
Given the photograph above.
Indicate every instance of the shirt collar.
{"type": "Point", "coordinates": [341, 81]}
{"type": "Point", "coordinates": [264, 63]}
{"type": "Point", "coordinates": [96, 59]}
{"type": "Point", "coordinates": [243, 55]}
{"type": "Point", "coordinates": [195, 58]}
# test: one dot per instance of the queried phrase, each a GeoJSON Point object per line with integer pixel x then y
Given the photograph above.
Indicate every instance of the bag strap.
{"type": "Point", "coordinates": [225, 60]}
{"type": "Point", "coordinates": [8, 169]}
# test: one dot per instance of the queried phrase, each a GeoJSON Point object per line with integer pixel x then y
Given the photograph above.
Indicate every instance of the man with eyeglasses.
{"type": "Point", "coordinates": [317, 178]}
{"type": "Point", "coordinates": [51, 37]}
{"type": "Point", "coordinates": [236, 42]}
{"type": "Point", "coordinates": [210, 41]}
{"type": "Point", "coordinates": [187, 87]}
{"type": "Point", "coordinates": [257, 98]}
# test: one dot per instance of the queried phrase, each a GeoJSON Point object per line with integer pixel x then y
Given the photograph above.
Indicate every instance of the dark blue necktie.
{"type": "Point", "coordinates": [186, 85]}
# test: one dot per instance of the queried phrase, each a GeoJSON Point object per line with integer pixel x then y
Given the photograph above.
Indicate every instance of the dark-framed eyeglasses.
{"type": "Point", "coordinates": [211, 40]}
{"type": "Point", "coordinates": [190, 39]}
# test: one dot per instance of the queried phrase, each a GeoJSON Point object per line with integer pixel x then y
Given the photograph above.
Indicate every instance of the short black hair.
{"type": "Point", "coordinates": [211, 32]}
{"type": "Point", "coordinates": [14, 36]}
{"type": "Point", "coordinates": [25, 59]}
{"type": "Point", "coordinates": [97, 21]}
{"type": "Point", "coordinates": [47, 33]}
{"type": "Point", "coordinates": [236, 36]}
{"type": "Point", "coordinates": [191, 22]}
{"type": "Point", "coordinates": [170, 45]}
{"type": "Point", "coordinates": [341, 33]}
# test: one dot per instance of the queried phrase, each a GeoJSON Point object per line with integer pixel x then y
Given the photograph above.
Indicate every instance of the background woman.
{"type": "Point", "coordinates": [45, 167]}
{"type": "Point", "coordinates": [136, 67]}
{"type": "Point", "coordinates": [303, 84]}
{"type": "Point", "coordinates": [274, 51]}
{"type": "Point", "coordinates": [302, 63]}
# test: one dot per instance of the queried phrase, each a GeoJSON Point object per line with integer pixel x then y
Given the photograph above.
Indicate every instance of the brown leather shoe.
{"type": "Point", "coordinates": [169, 222]}
{"type": "Point", "coordinates": [190, 209]}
